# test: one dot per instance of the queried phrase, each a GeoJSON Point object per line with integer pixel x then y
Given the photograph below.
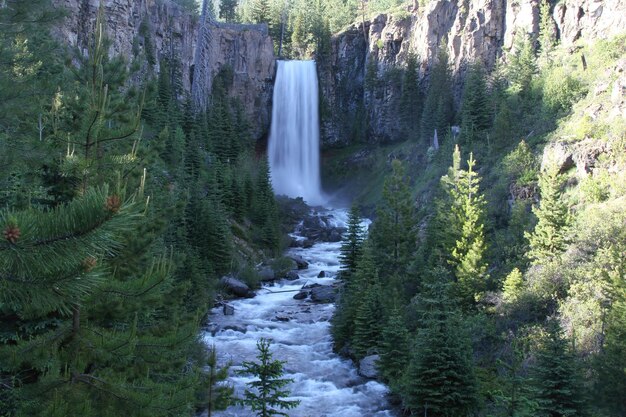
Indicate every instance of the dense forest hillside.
{"type": "Point", "coordinates": [486, 141]}
{"type": "Point", "coordinates": [121, 208]}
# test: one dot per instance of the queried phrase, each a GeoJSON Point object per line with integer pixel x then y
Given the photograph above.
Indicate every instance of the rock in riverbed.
{"type": "Point", "coordinates": [236, 287]}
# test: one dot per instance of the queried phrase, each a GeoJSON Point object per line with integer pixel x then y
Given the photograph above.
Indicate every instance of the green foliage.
{"type": "Point", "coordinates": [357, 291]}
{"type": "Point", "coordinates": [228, 10]}
{"type": "Point", "coordinates": [367, 323]}
{"type": "Point", "coordinates": [549, 237]}
{"type": "Point", "coordinates": [393, 235]}
{"type": "Point", "coordinates": [101, 294]}
{"type": "Point", "coordinates": [394, 350]}
{"type": "Point", "coordinates": [352, 245]}
{"type": "Point", "coordinates": [611, 383]}
{"type": "Point", "coordinates": [468, 253]}
{"type": "Point", "coordinates": [547, 32]}
{"type": "Point", "coordinates": [557, 384]}
{"type": "Point", "coordinates": [265, 396]}
{"type": "Point", "coordinates": [561, 90]}
{"type": "Point", "coordinates": [513, 286]}
{"type": "Point", "coordinates": [219, 394]}
{"type": "Point", "coordinates": [521, 165]}
{"type": "Point", "coordinates": [438, 104]}
{"type": "Point", "coordinates": [260, 11]}
{"type": "Point", "coordinates": [523, 65]}
{"type": "Point", "coordinates": [410, 100]}
{"type": "Point", "coordinates": [475, 112]}
{"type": "Point", "coordinates": [440, 378]}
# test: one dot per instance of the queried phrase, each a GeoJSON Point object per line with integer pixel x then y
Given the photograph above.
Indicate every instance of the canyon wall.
{"type": "Point", "coordinates": [166, 30]}
{"type": "Point", "coordinates": [475, 30]}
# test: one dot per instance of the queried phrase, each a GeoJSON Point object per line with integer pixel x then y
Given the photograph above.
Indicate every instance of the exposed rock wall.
{"type": "Point", "coordinates": [132, 24]}
{"type": "Point", "coordinates": [474, 29]}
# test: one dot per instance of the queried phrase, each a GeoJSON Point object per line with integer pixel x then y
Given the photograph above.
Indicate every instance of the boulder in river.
{"type": "Point", "coordinates": [334, 235]}
{"type": "Point", "coordinates": [266, 273]}
{"type": "Point", "coordinates": [299, 260]}
{"type": "Point", "coordinates": [323, 294]}
{"type": "Point", "coordinates": [228, 309]}
{"type": "Point", "coordinates": [301, 295]}
{"type": "Point", "coordinates": [368, 366]}
{"type": "Point", "coordinates": [235, 286]}
{"type": "Point", "coordinates": [292, 276]}
{"type": "Point", "coordinates": [322, 274]}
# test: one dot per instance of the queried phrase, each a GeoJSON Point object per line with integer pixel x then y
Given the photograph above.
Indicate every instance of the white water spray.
{"type": "Point", "coordinates": [294, 154]}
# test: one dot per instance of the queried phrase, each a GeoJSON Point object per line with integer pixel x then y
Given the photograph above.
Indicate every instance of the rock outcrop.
{"type": "Point", "coordinates": [475, 30]}
{"type": "Point", "coordinates": [162, 29]}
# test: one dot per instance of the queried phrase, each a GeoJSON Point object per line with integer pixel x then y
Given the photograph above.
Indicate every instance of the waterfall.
{"type": "Point", "coordinates": [294, 154]}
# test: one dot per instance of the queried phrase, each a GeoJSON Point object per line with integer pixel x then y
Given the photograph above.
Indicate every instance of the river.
{"type": "Point", "coordinates": [326, 384]}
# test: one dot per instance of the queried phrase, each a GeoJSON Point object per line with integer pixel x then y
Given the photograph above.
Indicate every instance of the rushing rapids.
{"type": "Point", "coordinates": [294, 142]}
{"type": "Point", "coordinates": [326, 384]}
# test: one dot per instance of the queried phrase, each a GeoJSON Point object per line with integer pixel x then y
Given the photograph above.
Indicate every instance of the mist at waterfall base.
{"type": "Point", "coordinates": [326, 384]}
{"type": "Point", "coordinates": [294, 144]}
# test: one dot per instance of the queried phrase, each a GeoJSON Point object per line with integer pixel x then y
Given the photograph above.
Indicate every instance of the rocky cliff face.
{"type": "Point", "coordinates": [474, 29]}
{"type": "Point", "coordinates": [164, 30]}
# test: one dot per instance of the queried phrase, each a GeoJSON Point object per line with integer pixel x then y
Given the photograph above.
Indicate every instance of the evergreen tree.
{"type": "Point", "coordinates": [266, 393]}
{"type": "Point", "coordinates": [393, 234]}
{"type": "Point", "coordinates": [523, 65]}
{"type": "Point", "coordinates": [475, 114]}
{"type": "Point", "coordinates": [444, 230]}
{"type": "Point", "coordinates": [439, 380]}
{"type": "Point", "coordinates": [549, 237]}
{"type": "Point", "coordinates": [410, 100]}
{"type": "Point", "coordinates": [219, 395]}
{"type": "Point", "coordinates": [557, 384]}
{"type": "Point", "coordinates": [611, 381]}
{"type": "Point", "coordinates": [351, 299]}
{"type": "Point", "coordinates": [547, 38]}
{"type": "Point", "coordinates": [260, 11]}
{"type": "Point", "coordinates": [469, 251]}
{"type": "Point", "coordinates": [367, 320]}
{"type": "Point", "coordinates": [438, 104]}
{"type": "Point", "coordinates": [394, 350]}
{"type": "Point", "coordinates": [228, 10]}
{"type": "Point", "coordinates": [352, 243]}
{"type": "Point", "coordinates": [513, 286]}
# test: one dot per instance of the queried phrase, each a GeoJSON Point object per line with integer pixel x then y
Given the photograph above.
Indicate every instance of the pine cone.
{"type": "Point", "coordinates": [89, 263]}
{"type": "Point", "coordinates": [12, 233]}
{"type": "Point", "coordinates": [113, 203]}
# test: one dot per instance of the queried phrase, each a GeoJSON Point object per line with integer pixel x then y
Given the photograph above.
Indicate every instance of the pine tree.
{"type": "Point", "coordinates": [440, 379]}
{"type": "Point", "coordinates": [444, 230]}
{"type": "Point", "coordinates": [352, 245]}
{"type": "Point", "coordinates": [410, 100]}
{"type": "Point", "coordinates": [260, 11]}
{"type": "Point", "coordinates": [549, 238]}
{"type": "Point", "coordinates": [393, 234]}
{"type": "Point", "coordinates": [266, 393]}
{"type": "Point", "coordinates": [351, 298]}
{"type": "Point", "coordinates": [609, 364]}
{"type": "Point", "coordinates": [438, 104]}
{"type": "Point", "coordinates": [469, 251]}
{"type": "Point", "coordinates": [547, 38]}
{"type": "Point", "coordinates": [219, 395]}
{"type": "Point", "coordinates": [557, 384]}
{"type": "Point", "coordinates": [513, 286]}
{"type": "Point", "coordinates": [52, 262]}
{"type": "Point", "coordinates": [523, 65]}
{"type": "Point", "coordinates": [475, 115]}
{"type": "Point", "coordinates": [228, 10]}
{"type": "Point", "coordinates": [367, 320]}
{"type": "Point", "coordinates": [394, 350]}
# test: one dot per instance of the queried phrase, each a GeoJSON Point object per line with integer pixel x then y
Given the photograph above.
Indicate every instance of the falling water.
{"type": "Point", "coordinates": [294, 154]}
